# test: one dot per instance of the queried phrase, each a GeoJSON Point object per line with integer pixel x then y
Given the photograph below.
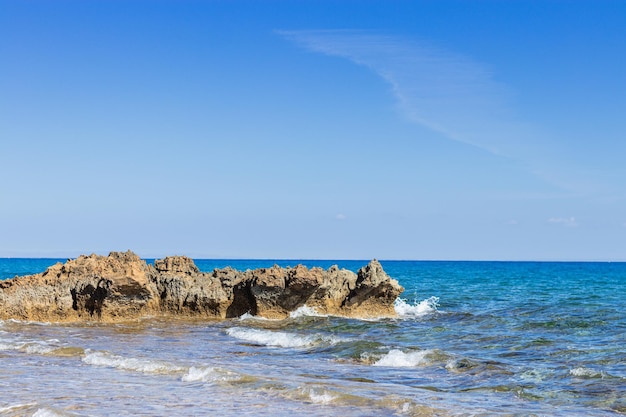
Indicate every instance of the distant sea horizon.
{"type": "Point", "coordinates": [256, 258]}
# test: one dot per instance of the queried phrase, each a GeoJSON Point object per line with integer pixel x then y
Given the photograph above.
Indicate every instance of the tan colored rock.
{"type": "Point", "coordinates": [279, 291]}
{"type": "Point", "coordinates": [374, 293]}
{"type": "Point", "coordinates": [89, 287]}
{"type": "Point", "coordinates": [185, 291]}
{"type": "Point", "coordinates": [121, 286]}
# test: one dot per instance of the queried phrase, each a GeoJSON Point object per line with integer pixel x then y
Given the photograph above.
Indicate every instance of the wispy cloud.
{"type": "Point", "coordinates": [441, 90]}
{"type": "Point", "coordinates": [564, 221]}
{"type": "Point", "coordinates": [340, 216]}
{"type": "Point", "coordinates": [457, 96]}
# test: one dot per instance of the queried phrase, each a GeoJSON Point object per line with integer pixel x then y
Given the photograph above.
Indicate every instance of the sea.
{"type": "Point", "coordinates": [470, 339]}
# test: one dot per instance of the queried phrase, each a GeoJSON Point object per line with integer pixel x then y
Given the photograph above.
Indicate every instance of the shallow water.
{"type": "Point", "coordinates": [472, 339]}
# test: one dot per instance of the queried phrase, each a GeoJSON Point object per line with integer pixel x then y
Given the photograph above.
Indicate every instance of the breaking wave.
{"type": "Point", "coordinates": [46, 412]}
{"type": "Point", "coordinates": [398, 359]}
{"type": "Point", "coordinates": [582, 372]}
{"type": "Point", "coordinates": [37, 347]}
{"type": "Point", "coordinates": [420, 309]}
{"type": "Point", "coordinates": [130, 364]}
{"type": "Point", "coordinates": [16, 407]}
{"type": "Point", "coordinates": [248, 316]}
{"type": "Point", "coordinates": [211, 374]}
{"type": "Point", "coordinates": [279, 339]}
{"type": "Point", "coordinates": [305, 311]}
{"type": "Point", "coordinates": [318, 396]}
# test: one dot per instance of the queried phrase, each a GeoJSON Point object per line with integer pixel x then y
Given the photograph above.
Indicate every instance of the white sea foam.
{"type": "Point", "coordinates": [536, 375]}
{"type": "Point", "coordinates": [420, 309]}
{"type": "Point", "coordinates": [6, 346]}
{"type": "Point", "coordinates": [36, 323]}
{"type": "Point", "coordinates": [129, 364]}
{"type": "Point", "coordinates": [16, 407]}
{"type": "Point", "coordinates": [32, 347]}
{"type": "Point", "coordinates": [37, 348]}
{"type": "Point", "coordinates": [319, 396]}
{"type": "Point", "coordinates": [248, 316]}
{"type": "Point", "coordinates": [583, 372]}
{"type": "Point", "coordinates": [46, 412]}
{"type": "Point", "coordinates": [278, 339]}
{"type": "Point", "coordinates": [210, 374]}
{"type": "Point", "coordinates": [194, 374]}
{"type": "Point", "coordinates": [305, 311]}
{"type": "Point", "coordinates": [398, 359]}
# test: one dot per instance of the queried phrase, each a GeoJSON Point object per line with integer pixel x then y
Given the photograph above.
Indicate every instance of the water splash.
{"type": "Point", "coordinates": [399, 359]}
{"type": "Point", "coordinates": [582, 372]}
{"type": "Point", "coordinates": [46, 412]}
{"type": "Point", "coordinates": [107, 359]}
{"type": "Point", "coordinates": [316, 396]}
{"type": "Point", "coordinates": [279, 339]}
{"type": "Point", "coordinates": [210, 374]}
{"type": "Point", "coordinates": [420, 309]}
{"type": "Point", "coordinates": [305, 311]}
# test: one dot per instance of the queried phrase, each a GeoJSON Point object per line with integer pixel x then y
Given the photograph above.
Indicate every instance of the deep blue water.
{"type": "Point", "coordinates": [473, 338]}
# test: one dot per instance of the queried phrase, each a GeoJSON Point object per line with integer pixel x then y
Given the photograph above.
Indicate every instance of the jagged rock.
{"type": "Point", "coordinates": [278, 291]}
{"type": "Point", "coordinates": [176, 264]}
{"type": "Point", "coordinates": [88, 287]}
{"type": "Point", "coordinates": [122, 286]}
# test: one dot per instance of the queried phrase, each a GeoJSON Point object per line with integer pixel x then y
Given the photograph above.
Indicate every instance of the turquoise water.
{"type": "Point", "coordinates": [472, 339]}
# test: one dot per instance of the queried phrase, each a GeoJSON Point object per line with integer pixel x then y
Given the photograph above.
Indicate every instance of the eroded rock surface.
{"type": "Point", "coordinates": [122, 286]}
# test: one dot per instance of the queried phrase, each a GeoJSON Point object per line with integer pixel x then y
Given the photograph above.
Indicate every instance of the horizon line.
{"type": "Point", "coordinates": [261, 259]}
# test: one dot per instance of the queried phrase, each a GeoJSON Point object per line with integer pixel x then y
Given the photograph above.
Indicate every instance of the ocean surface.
{"type": "Point", "coordinates": [472, 339]}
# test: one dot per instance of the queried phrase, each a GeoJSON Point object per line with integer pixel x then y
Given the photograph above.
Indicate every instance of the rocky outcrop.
{"type": "Point", "coordinates": [122, 286]}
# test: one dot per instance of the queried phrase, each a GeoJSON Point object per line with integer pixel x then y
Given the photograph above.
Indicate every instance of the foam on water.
{"type": "Point", "coordinates": [39, 347]}
{"type": "Point", "coordinates": [6, 346]}
{"type": "Point", "coordinates": [305, 311]}
{"type": "Point", "coordinates": [36, 323]}
{"type": "Point", "coordinates": [46, 412]}
{"type": "Point", "coordinates": [582, 372]}
{"type": "Point", "coordinates": [130, 364]}
{"type": "Point", "coordinates": [15, 407]}
{"type": "Point", "coordinates": [399, 359]}
{"type": "Point", "coordinates": [204, 374]}
{"type": "Point", "coordinates": [31, 409]}
{"type": "Point", "coordinates": [420, 309]}
{"type": "Point", "coordinates": [210, 374]}
{"type": "Point", "coordinates": [536, 375]}
{"type": "Point", "coordinates": [50, 347]}
{"type": "Point", "coordinates": [248, 316]}
{"type": "Point", "coordinates": [319, 396]}
{"type": "Point", "coordinates": [279, 339]}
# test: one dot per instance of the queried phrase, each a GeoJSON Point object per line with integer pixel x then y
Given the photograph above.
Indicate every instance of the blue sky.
{"type": "Point", "coordinates": [314, 129]}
